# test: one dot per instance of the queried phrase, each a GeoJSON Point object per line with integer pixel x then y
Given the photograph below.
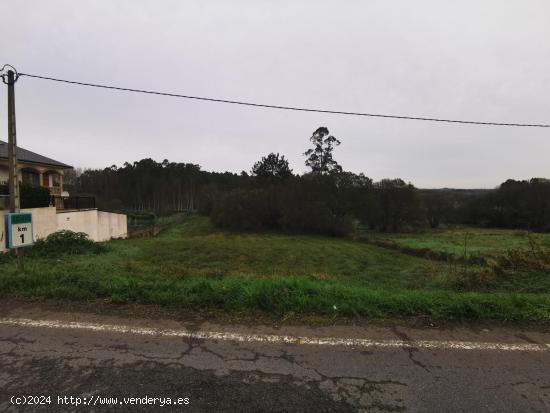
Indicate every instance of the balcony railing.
{"type": "Point", "coordinates": [73, 202]}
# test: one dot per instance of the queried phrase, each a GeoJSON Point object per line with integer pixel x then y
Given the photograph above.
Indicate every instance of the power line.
{"type": "Point", "coordinates": [301, 109]}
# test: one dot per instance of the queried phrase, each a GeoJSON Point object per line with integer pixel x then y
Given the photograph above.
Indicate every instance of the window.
{"type": "Point", "coordinates": [56, 180]}
{"type": "Point", "coordinates": [30, 177]}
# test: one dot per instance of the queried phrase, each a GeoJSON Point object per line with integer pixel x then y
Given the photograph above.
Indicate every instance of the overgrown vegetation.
{"type": "Point", "coordinates": [526, 269]}
{"type": "Point", "coordinates": [194, 265]}
{"type": "Point", "coordinates": [66, 242]}
{"type": "Point", "coordinates": [401, 251]}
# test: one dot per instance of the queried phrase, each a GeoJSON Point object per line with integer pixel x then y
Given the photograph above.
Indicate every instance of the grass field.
{"type": "Point", "coordinates": [469, 241]}
{"type": "Point", "coordinates": [196, 266]}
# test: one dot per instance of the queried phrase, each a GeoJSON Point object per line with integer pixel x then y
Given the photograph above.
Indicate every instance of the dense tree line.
{"type": "Point", "coordinates": [325, 200]}
{"type": "Point", "coordinates": [514, 204]}
{"type": "Point", "coordinates": [145, 185]}
{"type": "Point", "coordinates": [329, 204]}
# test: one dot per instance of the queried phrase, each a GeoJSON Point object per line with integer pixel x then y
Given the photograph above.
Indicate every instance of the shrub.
{"type": "Point", "coordinates": [66, 242]}
{"type": "Point", "coordinates": [520, 260]}
{"type": "Point", "coordinates": [471, 279]}
{"type": "Point", "coordinates": [32, 196]}
{"type": "Point", "coordinates": [508, 270]}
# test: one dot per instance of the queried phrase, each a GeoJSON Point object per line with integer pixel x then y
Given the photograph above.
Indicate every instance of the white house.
{"type": "Point", "coordinates": [64, 212]}
{"type": "Point", "coordinates": [34, 169]}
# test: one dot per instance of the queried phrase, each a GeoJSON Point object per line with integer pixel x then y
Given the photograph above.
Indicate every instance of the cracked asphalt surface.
{"type": "Point", "coordinates": [247, 376]}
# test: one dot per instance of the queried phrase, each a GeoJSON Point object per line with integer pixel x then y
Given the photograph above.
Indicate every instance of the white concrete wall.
{"type": "Point", "coordinates": [111, 226]}
{"type": "Point", "coordinates": [79, 221]}
{"type": "Point", "coordinates": [44, 223]}
{"type": "Point", "coordinates": [99, 225]}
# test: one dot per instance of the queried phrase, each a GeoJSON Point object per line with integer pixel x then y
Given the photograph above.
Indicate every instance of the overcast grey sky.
{"type": "Point", "coordinates": [485, 60]}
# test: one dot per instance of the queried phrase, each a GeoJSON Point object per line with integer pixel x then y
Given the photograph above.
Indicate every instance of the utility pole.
{"type": "Point", "coordinates": [12, 157]}
{"type": "Point", "coordinates": [12, 146]}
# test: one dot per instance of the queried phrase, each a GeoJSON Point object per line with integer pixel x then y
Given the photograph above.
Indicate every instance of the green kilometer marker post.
{"type": "Point", "coordinates": [19, 230]}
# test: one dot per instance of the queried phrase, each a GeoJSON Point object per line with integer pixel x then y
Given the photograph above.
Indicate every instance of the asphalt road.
{"type": "Point", "coordinates": [228, 375]}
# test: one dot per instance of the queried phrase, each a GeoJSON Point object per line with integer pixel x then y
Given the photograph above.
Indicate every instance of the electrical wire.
{"type": "Point", "coordinates": [292, 108]}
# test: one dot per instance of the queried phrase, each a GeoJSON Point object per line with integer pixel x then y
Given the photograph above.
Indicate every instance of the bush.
{"type": "Point", "coordinates": [66, 242]}
{"type": "Point", "coordinates": [521, 260]}
{"type": "Point", "coordinates": [523, 269]}
{"type": "Point", "coordinates": [32, 196]}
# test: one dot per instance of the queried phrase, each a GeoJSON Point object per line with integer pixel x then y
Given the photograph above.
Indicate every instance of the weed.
{"type": "Point", "coordinates": [520, 269]}
{"type": "Point", "coordinates": [193, 265]}
{"type": "Point", "coordinates": [66, 242]}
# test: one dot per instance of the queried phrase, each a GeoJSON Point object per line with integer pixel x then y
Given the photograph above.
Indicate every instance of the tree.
{"type": "Point", "coordinates": [319, 158]}
{"type": "Point", "coordinates": [397, 205]}
{"type": "Point", "coordinates": [70, 179]}
{"type": "Point", "coordinates": [438, 207]}
{"type": "Point", "coordinates": [272, 167]}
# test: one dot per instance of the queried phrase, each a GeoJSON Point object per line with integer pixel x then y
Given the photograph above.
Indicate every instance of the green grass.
{"type": "Point", "coordinates": [193, 265]}
{"type": "Point", "coordinates": [197, 248]}
{"type": "Point", "coordinates": [468, 240]}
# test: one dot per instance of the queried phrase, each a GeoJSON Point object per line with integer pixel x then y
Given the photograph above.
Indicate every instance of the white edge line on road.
{"type": "Point", "coordinates": [277, 339]}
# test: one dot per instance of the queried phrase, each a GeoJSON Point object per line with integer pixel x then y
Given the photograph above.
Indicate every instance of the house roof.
{"type": "Point", "coordinates": [25, 155]}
